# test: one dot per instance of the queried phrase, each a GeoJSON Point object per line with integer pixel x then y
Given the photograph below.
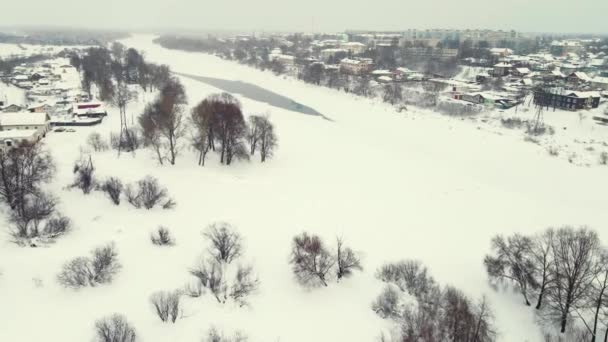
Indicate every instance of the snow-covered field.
{"type": "Point", "coordinates": [413, 185]}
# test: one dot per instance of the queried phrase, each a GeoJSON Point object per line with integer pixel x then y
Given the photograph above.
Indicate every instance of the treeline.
{"type": "Point", "coordinates": [54, 36]}
{"type": "Point", "coordinates": [108, 69]}
{"type": "Point", "coordinates": [562, 271]}
{"type": "Point", "coordinates": [8, 64]}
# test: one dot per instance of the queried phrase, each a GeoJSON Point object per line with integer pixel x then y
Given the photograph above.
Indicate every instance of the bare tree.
{"type": "Point", "coordinates": [96, 142]}
{"type": "Point", "coordinates": [215, 336]}
{"type": "Point", "coordinates": [114, 329]}
{"type": "Point", "coordinates": [27, 218]}
{"type": "Point", "coordinates": [310, 260]}
{"type": "Point", "coordinates": [596, 298]}
{"type": "Point", "coordinates": [392, 93]}
{"type": "Point", "coordinates": [230, 128]}
{"type": "Point", "coordinates": [161, 122]}
{"type": "Point", "coordinates": [511, 261]}
{"type": "Point", "coordinates": [225, 242]}
{"type": "Point", "coordinates": [148, 193]}
{"type": "Point", "coordinates": [83, 170]}
{"type": "Point", "coordinates": [542, 259]}
{"type": "Point", "coordinates": [211, 275]}
{"type": "Point", "coordinates": [267, 139]}
{"type": "Point", "coordinates": [167, 305]}
{"type": "Point", "coordinates": [202, 118]}
{"type": "Point", "coordinates": [254, 132]}
{"type": "Point", "coordinates": [574, 252]}
{"type": "Point", "coordinates": [100, 268]}
{"type": "Point", "coordinates": [346, 260]}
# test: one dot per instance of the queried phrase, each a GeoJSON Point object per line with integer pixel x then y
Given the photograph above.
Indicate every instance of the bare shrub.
{"type": "Point", "coordinates": [114, 329]}
{"type": "Point", "coordinates": [388, 303]}
{"type": "Point", "coordinates": [346, 260]}
{"type": "Point", "coordinates": [409, 276]}
{"type": "Point", "coordinates": [83, 171]}
{"type": "Point", "coordinates": [148, 193]}
{"type": "Point", "coordinates": [245, 283]}
{"type": "Point", "coordinates": [553, 151]}
{"type": "Point", "coordinates": [310, 260]}
{"type": "Point", "coordinates": [96, 142]}
{"type": "Point", "coordinates": [113, 188]}
{"type": "Point", "coordinates": [193, 289]}
{"type": "Point", "coordinates": [167, 305]}
{"type": "Point", "coordinates": [215, 336]}
{"type": "Point", "coordinates": [100, 268]}
{"type": "Point", "coordinates": [162, 237]}
{"type": "Point", "coordinates": [130, 140]}
{"type": "Point", "coordinates": [210, 273]}
{"type": "Point", "coordinates": [225, 242]}
{"type": "Point", "coordinates": [604, 158]}
{"type": "Point", "coordinates": [513, 122]}
{"type": "Point", "coordinates": [56, 226]}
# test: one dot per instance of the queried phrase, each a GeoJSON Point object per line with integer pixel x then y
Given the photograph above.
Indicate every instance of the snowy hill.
{"type": "Point", "coordinates": [394, 185]}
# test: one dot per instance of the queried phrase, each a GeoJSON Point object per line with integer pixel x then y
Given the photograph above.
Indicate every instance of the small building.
{"type": "Point", "coordinates": [502, 69]}
{"type": "Point", "coordinates": [521, 72]}
{"type": "Point", "coordinates": [89, 109]}
{"type": "Point", "coordinates": [567, 99]}
{"type": "Point", "coordinates": [13, 108]}
{"type": "Point", "coordinates": [599, 83]}
{"type": "Point", "coordinates": [16, 128]}
{"type": "Point", "coordinates": [355, 66]}
{"type": "Point", "coordinates": [354, 47]}
{"type": "Point", "coordinates": [39, 108]}
{"type": "Point", "coordinates": [578, 78]}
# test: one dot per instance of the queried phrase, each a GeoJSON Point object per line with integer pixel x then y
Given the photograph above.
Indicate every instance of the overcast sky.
{"type": "Point", "coordinates": [317, 15]}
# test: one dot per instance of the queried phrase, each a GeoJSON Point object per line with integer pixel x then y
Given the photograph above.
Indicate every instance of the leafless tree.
{"type": "Point", "coordinates": [574, 252]}
{"type": "Point", "coordinates": [346, 260]}
{"type": "Point", "coordinates": [83, 171]}
{"type": "Point", "coordinates": [161, 122]}
{"type": "Point", "coordinates": [310, 260]}
{"type": "Point", "coordinates": [114, 329]}
{"type": "Point", "coordinates": [202, 118]}
{"type": "Point", "coordinates": [511, 261]}
{"type": "Point", "coordinates": [392, 93]}
{"type": "Point", "coordinates": [27, 218]}
{"type": "Point", "coordinates": [388, 303]}
{"type": "Point", "coordinates": [113, 187]}
{"type": "Point", "coordinates": [147, 193]}
{"type": "Point", "coordinates": [230, 128]}
{"type": "Point", "coordinates": [225, 242]}
{"type": "Point", "coordinates": [596, 297]}
{"type": "Point", "coordinates": [540, 251]}
{"type": "Point", "coordinates": [162, 237]}
{"type": "Point", "coordinates": [56, 226]}
{"type": "Point", "coordinates": [22, 171]}
{"type": "Point", "coordinates": [167, 305]}
{"type": "Point", "coordinates": [254, 132]}
{"type": "Point", "coordinates": [267, 139]}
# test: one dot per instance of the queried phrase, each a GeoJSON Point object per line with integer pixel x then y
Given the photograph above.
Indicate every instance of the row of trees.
{"type": "Point", "coordinates": [217, 125]}
{"type": "Point", "coordinates": [564, 269]}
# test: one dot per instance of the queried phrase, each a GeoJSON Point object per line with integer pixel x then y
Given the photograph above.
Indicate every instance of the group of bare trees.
{"type": "Point", "coordinates": [219, 126]}
{"type": "Point", "coordinates": [564, 269]}
{"type": "Point", "coordinates": [437, 314]}
{"type": "Point", "coordinates": [33, 216]}
{"type": "Point", "coordinates": [217, 272]}
{"type": "Point", "coordinates": [313, 264]}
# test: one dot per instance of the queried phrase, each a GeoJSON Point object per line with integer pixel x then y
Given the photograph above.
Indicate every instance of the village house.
{"type": "Point", "coordinates": [501, 69]}
{"type": "Point", "coordinates": [89, 109]}
{"type": "Point", "coordinates": [578, 78]}
{"type": "Point", "coordinates": [354, 47]}
{"type": "Point", "coordinates": [567, 99]}
{"type": "Point", "coordinates": [355, 66]}
{"type": "Point", "coordinates": [19, 128]}
{"type": "Point", "coordinates": [599, 83]}
{"type": "Point", "coordinates": [12, 108]}
{"type": "Point", "coordinates": [520, 72]}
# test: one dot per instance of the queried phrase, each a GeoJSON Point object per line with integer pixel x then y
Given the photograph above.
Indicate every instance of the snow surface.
{"type": "Point", "coordinates": [414, 185]}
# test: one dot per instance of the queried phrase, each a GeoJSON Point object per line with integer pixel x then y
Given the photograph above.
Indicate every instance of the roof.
{"type": "Point", "coordinates": [23, 119]}
{"type": "Point", "coordinates": [584, 94]}
{"type": "Point", "coordinates": [581, 76]}
{"type": "Point", "coordinates": [17, 134]}
{"type": "Point", "coordinates": [384, 78]}
{"type": "Point", "coordinates": [381, 72]}
{"type": "Point", "coordinates": [523, 70]}
{"type": "Point", "coordinates": [598, 79]}
{"type": "Point", "coordinates": [503, 65]}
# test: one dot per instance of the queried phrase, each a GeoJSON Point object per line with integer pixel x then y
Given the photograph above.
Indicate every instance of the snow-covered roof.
{"type": "Point", "coordinates": [584, 94]}
{"type": "Point", "coordinates": [381, 72]}
{"type": "Point", "coordinates": [503, 65]}
{"type": "Point", "coordinates": [23, 119]}
{"type": "Point", "coordinates": [581, 75]}
{"type": "Point", "coordinates": [385, 79]}
{"type": "Point", "coordinates": [523, 70]}
{"type": "Point", "coordinates": [17, 134]}
{"type": "Point", "coordinates": [598, 79]}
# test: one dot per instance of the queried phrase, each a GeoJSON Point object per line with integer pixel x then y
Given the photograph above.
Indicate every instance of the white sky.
{"type": "Point", "coordinates": [320, 15]}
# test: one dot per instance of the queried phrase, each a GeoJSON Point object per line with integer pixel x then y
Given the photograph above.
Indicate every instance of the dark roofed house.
{"type": "Point", "coordinates": [567, 99]}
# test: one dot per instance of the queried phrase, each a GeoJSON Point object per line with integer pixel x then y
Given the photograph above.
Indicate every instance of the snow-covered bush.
{"type": "Point", "coordinates": [388, 303]}
{"type": "Point", "coordinates": [347, 260]}
{"type": "Point", "coordinates": [148, 193]}
{"type": "Point", "coordinates": [114, 329]}
{"type": "Point", "coordinates": [100, 268]}
{"type": "Point", "coordinates": [224, 242]}
{"type": "Point", "coordinates": [167, 305]}
{"type": "Point", "coordinates": [409, 276]}
{"type": "Point", "coordinates": [113, 188]}
{"type": "Point", "coordinates": [56, 226]}
{"type": "Point", "coordinates": [83, 171]}
{"type": "Point", "coordinates": [96, 142]}
{"type": "Point", "coordinates": [162, 237]}
{"type": "Point", "coordinates": [27, 217]}
{"type": "Point", "coordinates": [215, 336]}
{"type": "Point", "coordinates": [513, 122]}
